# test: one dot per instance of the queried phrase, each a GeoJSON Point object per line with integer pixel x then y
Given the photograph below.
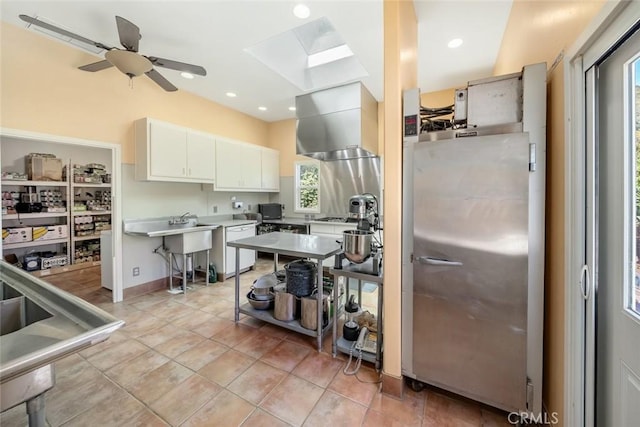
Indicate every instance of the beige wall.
{"type": "Point", "coordinates": [43, 91]}
{"type": "Point", "coordinates": [537, 32]}
{"type": "Point", "coordinates": [282, 137]}
{"type": "Point", "coordinates": [400, 73]}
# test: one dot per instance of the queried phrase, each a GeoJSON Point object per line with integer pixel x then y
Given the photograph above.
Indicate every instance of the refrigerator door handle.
{"type": "Point", "coordinates": [440, 262]}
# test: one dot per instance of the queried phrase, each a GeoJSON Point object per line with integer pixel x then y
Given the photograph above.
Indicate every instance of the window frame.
{"type": "Point", "coordinates": [297, 187]}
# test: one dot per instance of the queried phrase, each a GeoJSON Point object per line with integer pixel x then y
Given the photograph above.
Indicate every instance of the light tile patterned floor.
{"type": "Point", "coordinates": [182, 361]}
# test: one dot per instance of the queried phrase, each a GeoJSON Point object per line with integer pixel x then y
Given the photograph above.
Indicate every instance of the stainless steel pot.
{"type": "Point", "coordinates": [356, 245]}
{"type": "Point", "coordinates": [262, 293]}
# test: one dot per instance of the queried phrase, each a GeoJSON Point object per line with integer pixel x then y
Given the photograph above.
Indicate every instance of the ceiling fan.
{"type": "Point", "coordinates": [127, 60]}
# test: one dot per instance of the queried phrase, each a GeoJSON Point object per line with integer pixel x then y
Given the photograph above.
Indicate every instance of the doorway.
{"type": "Point", "coordinates": [602, 359]}
{"type": "Point", "coordinates": [617, 187]}
{"type": "Point", "coordinates": [89, 207]}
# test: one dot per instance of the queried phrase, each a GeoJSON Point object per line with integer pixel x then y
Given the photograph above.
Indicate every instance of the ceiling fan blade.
{"type": "Point", "coordinates": [179, 66]}
{"type": "Point", "coordinates": [129, 34]}
{"type": "Point", "coordinates": [96, 66]}
{"type": "Point", "coordinates": [45, 25]}
{"type": "Point", "coordinates": [162, 82]}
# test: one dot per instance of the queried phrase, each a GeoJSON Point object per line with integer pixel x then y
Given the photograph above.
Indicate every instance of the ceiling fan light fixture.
{"type": "Point", "coordinates": [130, 63]}
{"type": "Point", "coordinates": [187, 75]}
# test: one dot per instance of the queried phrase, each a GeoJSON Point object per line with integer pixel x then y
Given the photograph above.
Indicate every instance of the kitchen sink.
{"type": "Point", "coordinates": [197, 239]}
{"type": "Point", "coordinates": [40, 324]}
{"type": "Point", "coordinates": [16, 311]}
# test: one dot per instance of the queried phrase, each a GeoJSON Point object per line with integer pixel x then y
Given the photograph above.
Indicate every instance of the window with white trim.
{"type": "Point", "coordinates": [307, 187]}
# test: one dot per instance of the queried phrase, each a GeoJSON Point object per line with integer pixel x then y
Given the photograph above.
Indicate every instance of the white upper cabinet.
{"type": "Point", "coordinates": [238, 166]}
{"type": "Point", "coordinates": [166, 152]}
{"type": "Point", "coordinates": [201, 156]}
{"type": "Point", "coordinates": [270, 169]}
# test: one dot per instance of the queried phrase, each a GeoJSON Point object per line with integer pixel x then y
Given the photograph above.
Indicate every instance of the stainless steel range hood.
{"type": "Point", "coordinates": [338, 123]}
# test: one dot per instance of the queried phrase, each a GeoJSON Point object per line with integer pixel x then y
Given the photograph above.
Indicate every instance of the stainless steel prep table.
{"type": "Point", "coordinates": [296, 245]}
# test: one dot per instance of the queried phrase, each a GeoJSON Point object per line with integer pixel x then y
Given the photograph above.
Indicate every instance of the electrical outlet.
{"type": "Point", "coordinates": [249, 207]}
{"type": "Point", "coordinates": [136, 271]}
{"type": "Point", "coordinates": [215, 209]}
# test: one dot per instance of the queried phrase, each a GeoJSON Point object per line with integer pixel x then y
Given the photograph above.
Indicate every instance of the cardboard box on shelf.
{"type": "Point", "coordinates": [50, 232]}
{"type": "Point", "coordinates": [44, 168]}
{"type": "Point", "coordinates": [17, 235]}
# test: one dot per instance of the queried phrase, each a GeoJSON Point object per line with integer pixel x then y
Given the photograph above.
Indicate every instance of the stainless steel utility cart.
{"type": "Point", "coordinates": [317, 248]}
{"type": "Point", "coordinates": [362, 273]}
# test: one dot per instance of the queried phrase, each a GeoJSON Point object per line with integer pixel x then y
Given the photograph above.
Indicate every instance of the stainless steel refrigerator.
{"type": "Point", "coordinates": [473, 310]}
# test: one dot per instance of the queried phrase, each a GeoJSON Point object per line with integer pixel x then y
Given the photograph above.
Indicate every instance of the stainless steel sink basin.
{"type": "Point", "coordinates": [40, 324]}
{"type": "Point", "coordinates": [16, 311]}
{"type": "Point", "coordinates": [197, 239]}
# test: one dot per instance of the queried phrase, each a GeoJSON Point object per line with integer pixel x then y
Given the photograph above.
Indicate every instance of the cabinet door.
{"type": "Point", "coordinates": [252, 167]}
{"type": "Point", "coordinates": [247, 257]}
{"type": "Point", "coordinates": [238, 166]}
{"type": "Point", "coordinates": [228, 164]}
{"type": "Point", "coordinates": [168, 150]}
{"type": "Point", "coordinates": [201, 157]}
{"type": "Point", "coordinates": [270, 170]}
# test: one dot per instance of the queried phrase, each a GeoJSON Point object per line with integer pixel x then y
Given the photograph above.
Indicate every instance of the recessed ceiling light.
{"type": "Point", "coordinates": [262, 108]}
{"type": "Point", "coordinates": [186, 75]}
{"type": "Point", "coordinates": [455, 43]}
{"type": "Point", "coordinates": [292, 108]}
{"type": "Point", "coordinates": [301, 11]}
{"type": "Point", "coordinates": [231, 95]}
{"type": "Point", "coordinates": [329, 55]}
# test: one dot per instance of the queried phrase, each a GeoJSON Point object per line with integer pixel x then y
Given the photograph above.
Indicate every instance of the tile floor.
{"type": "Point", "coordinates": [182, 361]}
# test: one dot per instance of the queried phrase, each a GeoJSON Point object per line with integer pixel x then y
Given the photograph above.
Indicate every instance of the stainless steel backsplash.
{"type": "Point", "coordinates": [341, 179]}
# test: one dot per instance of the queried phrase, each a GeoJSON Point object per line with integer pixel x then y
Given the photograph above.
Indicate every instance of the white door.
{"type": "Point", "coordinates": [617, 216]}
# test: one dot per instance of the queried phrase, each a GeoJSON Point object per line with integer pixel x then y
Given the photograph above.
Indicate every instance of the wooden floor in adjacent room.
{"type": "Point", "coordinates": [85, 283]}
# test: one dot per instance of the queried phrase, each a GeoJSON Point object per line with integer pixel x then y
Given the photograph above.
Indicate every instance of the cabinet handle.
{"type": "Point", "coordinates": [189, 171]}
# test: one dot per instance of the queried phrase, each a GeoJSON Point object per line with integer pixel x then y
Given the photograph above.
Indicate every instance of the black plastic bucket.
{"type": "Point", "coordinates": [301, 277]}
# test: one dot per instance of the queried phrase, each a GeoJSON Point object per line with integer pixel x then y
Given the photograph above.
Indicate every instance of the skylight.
{"type": "Point", "coordinates": [329, 55]}
{"type": "Point", "coordinates": [311, 56]}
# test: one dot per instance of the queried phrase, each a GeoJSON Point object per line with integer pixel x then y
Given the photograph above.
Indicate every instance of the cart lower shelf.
{"type": "Point", "coordinates": [293, 325]}
{"type": "Point", "coordinates": [345, 346]}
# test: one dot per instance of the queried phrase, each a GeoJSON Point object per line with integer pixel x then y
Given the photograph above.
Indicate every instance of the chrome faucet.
{"type": "Point", "coordinates": [182, 219]}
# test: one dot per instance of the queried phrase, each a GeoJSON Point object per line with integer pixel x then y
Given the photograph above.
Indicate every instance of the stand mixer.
{"type": "Point", "coordinates": [358, 245]}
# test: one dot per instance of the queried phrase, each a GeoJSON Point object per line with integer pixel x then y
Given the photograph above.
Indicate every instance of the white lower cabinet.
{"type": "Point", "coordinates": [224, 257]}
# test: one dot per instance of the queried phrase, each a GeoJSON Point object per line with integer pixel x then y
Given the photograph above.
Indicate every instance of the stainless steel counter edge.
{"type": "Point", "coordinates": [74, 322]}
{"type": "Point", "coordinates": [232, 222]}
{"type": "Point", "coordinates": [159, 227]}
{"type": "Point", "coordinates": [298, 245]}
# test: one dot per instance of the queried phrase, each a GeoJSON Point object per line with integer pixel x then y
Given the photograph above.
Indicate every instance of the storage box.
{"type": "Point", "coordinates": [17, 235]}
{"type": "Point", "coordinates": [50, 232]}
{"type": "Point", "coordinates": [44, 169]}
{"type": "Point", "coordinates": [31, 262]}
{"type": "Point", "coordinates": [54, 261]}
